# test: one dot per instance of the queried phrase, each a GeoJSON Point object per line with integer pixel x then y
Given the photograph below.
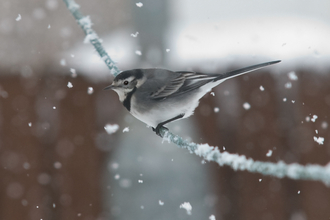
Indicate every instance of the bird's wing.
{"type": "Point", "coordinates": [178, 83]}
{"type": "Point", "coordinates": [184, 81]}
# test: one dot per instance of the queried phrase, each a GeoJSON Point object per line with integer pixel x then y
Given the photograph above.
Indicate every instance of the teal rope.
{"type": "Point", "coordinates": [86, 24]}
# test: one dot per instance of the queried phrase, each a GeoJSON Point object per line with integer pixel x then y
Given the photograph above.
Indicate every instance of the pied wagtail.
{"type": "Point", "coordinates": [158, 96]}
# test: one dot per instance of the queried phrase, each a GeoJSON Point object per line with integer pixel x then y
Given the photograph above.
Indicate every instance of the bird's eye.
{"type": "Point", "coordinates": [125, 82]}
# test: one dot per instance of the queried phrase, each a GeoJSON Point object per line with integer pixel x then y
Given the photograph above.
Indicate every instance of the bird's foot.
{"type": "Point", "coordinates": [157, 129]}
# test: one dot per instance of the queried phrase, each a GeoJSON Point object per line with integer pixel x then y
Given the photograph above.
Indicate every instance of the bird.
{"type": "Point", "coordinates": [158, 96]}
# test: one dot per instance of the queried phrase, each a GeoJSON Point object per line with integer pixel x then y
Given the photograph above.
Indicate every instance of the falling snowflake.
{"type": "Point", "coordinates": [246, 106]}
{"type": "Point", "coordinates": [288, 85]}
{"type": "Point", "coordinates": [187, 207]}
{"type": "Point", "coordinates": [69, 85]}
{"type": "Point", "coordinates": [212, 217]}
{"type": "Point", "coordinates": [269, 153]}
{"type": "Point", "coordinates": [63, 62]}
{"type": "Point", "coordinates": [110, 129]}
{"type": "Point", "coordinates": [135, 35]}
{"type": "Point", "coordinates": [139, 4]}
{"type": "Point", "coordinates": [292, 76]}
{"type": "Point", "coordinates": [19, 17]}
{"type": "Point", "coordinates": [314, 118]}
{"type": "Point", "coordinates": [137, 52]}
{"type": "Point", "coordinates": [90, 90]}
{"type": "Point", "coordinates": [319, 140]}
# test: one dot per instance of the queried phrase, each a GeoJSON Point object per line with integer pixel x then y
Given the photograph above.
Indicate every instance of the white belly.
{"type": "Point", "coordinates": [160, 111]}
{"type": "Point", "coordinates": [163, 112]}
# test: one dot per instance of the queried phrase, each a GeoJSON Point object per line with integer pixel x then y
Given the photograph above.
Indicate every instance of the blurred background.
{"type": "Point", "coordinates": [58, 162]}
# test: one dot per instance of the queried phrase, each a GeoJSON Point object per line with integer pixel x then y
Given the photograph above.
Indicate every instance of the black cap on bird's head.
{"type": "Point", "coordinates": [135, 74]}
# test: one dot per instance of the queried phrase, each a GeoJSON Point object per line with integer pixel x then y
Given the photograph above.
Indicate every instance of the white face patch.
{"type": "Point", "coordinates": [121, 94]}
{"type": "Point", "coordinates": [141, 81]}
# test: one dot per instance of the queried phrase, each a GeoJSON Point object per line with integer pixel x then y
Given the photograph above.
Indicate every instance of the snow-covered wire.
{"type": "Point", "coordinates": [91, 36]}
{"type": "Point", "coordinates": [209, 153]}
{"type": "Point", "coordinates": [240, 162]}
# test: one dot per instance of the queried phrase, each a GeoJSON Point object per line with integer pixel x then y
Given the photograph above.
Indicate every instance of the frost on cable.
{"type": "Point", "coordinates": [91, 37]}
{"type": "Point", "coordinates": [240, 162]}
{"type": "Point", "coordinates": [85, 22]}
{"type": "Point", "coordinates": [72, 5]}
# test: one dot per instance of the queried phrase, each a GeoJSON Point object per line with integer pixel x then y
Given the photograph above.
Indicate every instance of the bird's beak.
{"type": "Point", "coordinates": [109, 87]}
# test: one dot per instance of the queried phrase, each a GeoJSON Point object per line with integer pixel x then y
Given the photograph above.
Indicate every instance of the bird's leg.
{"type": "Point", "coordinates": [161, 125]}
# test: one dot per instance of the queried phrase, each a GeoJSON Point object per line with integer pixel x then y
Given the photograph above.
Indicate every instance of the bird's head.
{"type": "Point", "coordinates": [126, 82]}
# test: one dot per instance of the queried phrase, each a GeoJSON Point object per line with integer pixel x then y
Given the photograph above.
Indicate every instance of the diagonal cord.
{"type": "Point", "coordinates": [86, 24]}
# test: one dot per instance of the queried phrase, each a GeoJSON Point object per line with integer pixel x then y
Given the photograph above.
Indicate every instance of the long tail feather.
{"type": "Point", "coordinates": [244, 70]}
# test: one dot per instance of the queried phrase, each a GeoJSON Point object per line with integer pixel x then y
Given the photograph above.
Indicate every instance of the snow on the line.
{"type": "Point", "coordinates": [139, 4]}
{"type": "Point", "coordinates": [313, 119]}
{"type": "Point", "coordinates": [91, 37]}
{"type": "Point", "coordinates": [161, 202]}
{"type": "Point", "coordinates": [72, 6]}
{"type": "Point", "coordinates": [212, 217]}
{"type": "Point", "coordinates": [187, 207]}
{"type": "Point", "coordinates": [19, 17]}
{"type": "Point", "coordinates": [110, 129]}
{"type": "Point", "coordinates": [85, 22]}
{"type": "Point", "coordinates": [126, 129]}
{"type": "Point", "coordinates": [137, 52]}
{"type": "Point", "coordinates": [90, 90]}
{"type": "Point", "coordinates": [135, 35]}
{"type": "Point", "coordinates": [203, 149]}
{"type": "Point", "coordinates": [292, 76]}
{"type": "Point", "coordinates": [319, 140]}
{"type": "Point", "coordinates": [69, 85]}
{"type": "Point", "coordinates": [212, 93]}
{"type": "Point", "coordinates": [241, 162]}
{"type": "Point", "coordinates": [269, 153]}
{"type": "Point", "coordinates": [262, 88]}
{"type": "Point", "coordinates": [246, 106]}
